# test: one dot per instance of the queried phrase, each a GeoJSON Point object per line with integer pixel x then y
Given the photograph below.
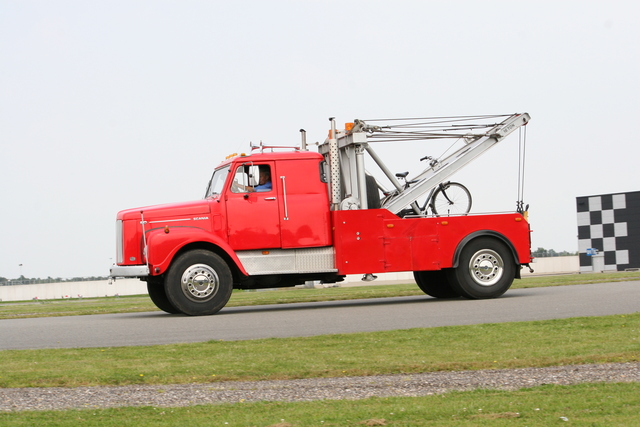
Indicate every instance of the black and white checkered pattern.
{"type": "Point", "coordinates": [611, 224]}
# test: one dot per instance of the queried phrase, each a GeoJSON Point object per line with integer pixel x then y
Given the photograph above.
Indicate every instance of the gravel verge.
{"type": "Point", "coordinates": [173, 395]}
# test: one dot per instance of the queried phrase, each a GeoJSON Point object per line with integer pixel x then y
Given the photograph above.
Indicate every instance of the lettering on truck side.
{"type": "Point", "coordinates": [508, 128]}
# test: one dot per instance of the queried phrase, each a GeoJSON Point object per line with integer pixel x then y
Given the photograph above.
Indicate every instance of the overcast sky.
{"type": "Point", "coordinates": [108, 105]}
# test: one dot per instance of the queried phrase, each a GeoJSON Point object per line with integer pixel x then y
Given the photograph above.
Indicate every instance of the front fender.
{"type": "Point", "coordinates": [164, 243]}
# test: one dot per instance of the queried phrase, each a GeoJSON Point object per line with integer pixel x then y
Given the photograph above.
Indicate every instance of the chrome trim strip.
{"type": "Point", "coordinates": [170, 220]}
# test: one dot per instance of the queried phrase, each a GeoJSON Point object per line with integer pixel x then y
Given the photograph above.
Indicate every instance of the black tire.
{"type": "Point", "coordinates": [486, 269]}
{"type": "Point", "coordinates": [451, 198]}
{"type": "Point", "coordinates": [159, 296]}
{"type": "Point", "coordinates": [198, 283]}
{"type": "Point", "coordinates": [435, 284]}
{"type": "Point", "coordinates": [373, 194]}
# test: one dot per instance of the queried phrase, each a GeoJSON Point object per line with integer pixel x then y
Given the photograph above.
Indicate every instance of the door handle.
{"type": "Point", "coordinates": [269, 198]}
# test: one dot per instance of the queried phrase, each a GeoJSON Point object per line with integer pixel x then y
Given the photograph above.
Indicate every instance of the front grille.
{"type": "Point", "coordinates": [119, 243]}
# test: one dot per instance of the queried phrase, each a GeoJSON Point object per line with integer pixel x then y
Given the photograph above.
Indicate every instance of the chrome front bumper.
{"type": "Point", "coordinates": [129, 271]}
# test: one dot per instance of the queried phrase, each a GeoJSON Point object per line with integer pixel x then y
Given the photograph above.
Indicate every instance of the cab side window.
{"type": "Point", "coordinates": [252, 178]}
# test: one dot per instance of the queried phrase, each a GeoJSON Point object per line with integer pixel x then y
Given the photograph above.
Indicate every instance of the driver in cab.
{"type": "Point", "coordinates": [264, 182]}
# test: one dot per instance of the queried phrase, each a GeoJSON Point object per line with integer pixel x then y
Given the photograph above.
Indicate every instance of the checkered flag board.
{"type": "Point", "coordinates": [610, 223]}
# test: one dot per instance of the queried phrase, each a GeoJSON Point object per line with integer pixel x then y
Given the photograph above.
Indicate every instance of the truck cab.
{"type": "Point", "coordinates": [292, 213]}
{"type": "Point", "coordinates": [252, 232]}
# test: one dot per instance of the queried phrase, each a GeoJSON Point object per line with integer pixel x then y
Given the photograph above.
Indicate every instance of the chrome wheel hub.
{"type": "Point", "coordinates": [486, 267]}
{"type": "Point", "coordinates": [200, 282]}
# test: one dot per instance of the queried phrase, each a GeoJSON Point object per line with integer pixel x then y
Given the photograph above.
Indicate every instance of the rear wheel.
{"type": "Point", "coordinates": [198, 283]}
{"type": "Point", "coordinates": [435, 284]}
{"type": "Point", "coordinates": [486, 269]}
{"type": "Point", "coordinates": [159, 296]}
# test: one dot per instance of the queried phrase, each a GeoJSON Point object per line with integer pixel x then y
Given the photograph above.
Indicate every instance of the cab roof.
{"type": "Point", "coordinates": [271, 156]}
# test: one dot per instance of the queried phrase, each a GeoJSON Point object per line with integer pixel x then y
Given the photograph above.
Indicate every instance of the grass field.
{"type": "Point", "coordinates": [486, 346]}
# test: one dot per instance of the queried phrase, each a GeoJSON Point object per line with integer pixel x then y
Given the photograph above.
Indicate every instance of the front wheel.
{"type": "Point", "coordinates": [486, 269]}
{"type": "Point", "coordinates": [199, 283]}
{"type": "Point", "coordinates": [451, 198]}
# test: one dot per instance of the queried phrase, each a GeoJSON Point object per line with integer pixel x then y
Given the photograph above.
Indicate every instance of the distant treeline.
{"type": "Point", "coordinates": [33, 281]}
{"type": "Point", "coordinates": [542, 252]}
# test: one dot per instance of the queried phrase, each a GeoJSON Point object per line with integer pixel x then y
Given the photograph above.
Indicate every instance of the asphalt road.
{"type": "Point", "coordinates": [294, 320]}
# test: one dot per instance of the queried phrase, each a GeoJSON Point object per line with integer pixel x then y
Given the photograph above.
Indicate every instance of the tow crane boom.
{"type": "Point", "coordinates": [344, 152]}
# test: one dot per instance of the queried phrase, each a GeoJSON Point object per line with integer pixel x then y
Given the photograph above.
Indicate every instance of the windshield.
{"type": "Point", "coordinates": [217, 182]}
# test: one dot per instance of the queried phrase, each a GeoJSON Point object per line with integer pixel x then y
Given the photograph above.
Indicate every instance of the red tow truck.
{"type": "Point", "coordinates": [321, 217]}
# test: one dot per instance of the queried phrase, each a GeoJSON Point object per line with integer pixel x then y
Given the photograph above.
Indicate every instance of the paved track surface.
{"type": "Point", "coordinates": [294, 320]}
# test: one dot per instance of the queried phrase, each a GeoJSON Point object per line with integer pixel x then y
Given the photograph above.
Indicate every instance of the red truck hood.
{"type": "Point", "coordinates": [168, 211]}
